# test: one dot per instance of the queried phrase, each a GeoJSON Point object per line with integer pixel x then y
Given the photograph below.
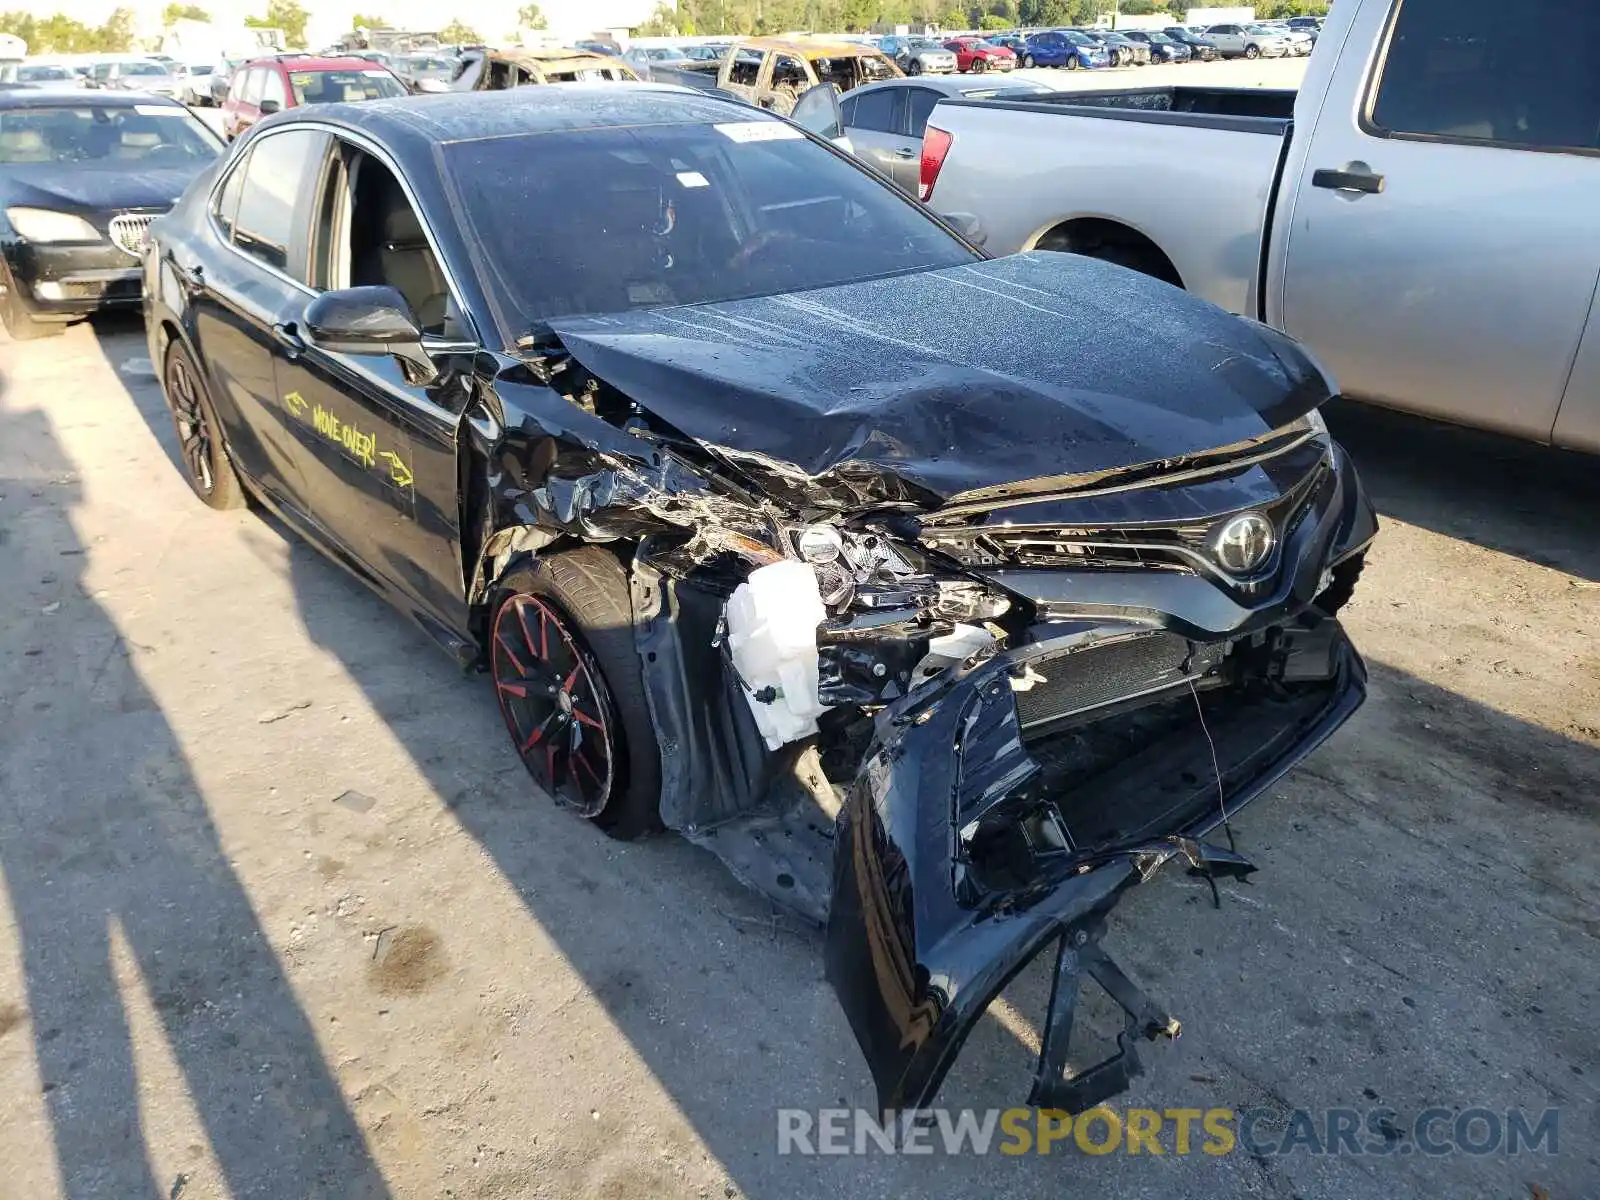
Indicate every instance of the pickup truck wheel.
{"type": "Point", "coordinates": [1252, 51]}
{"type": "Point", "coordinates": [567, 676]}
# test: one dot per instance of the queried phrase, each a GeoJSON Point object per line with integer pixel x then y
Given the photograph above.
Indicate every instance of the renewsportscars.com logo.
{"type": "Point", "coordinates": [1261, 1133]}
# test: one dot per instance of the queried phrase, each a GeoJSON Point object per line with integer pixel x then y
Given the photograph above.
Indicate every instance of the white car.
{"type": "Point", "coordinates": [196, 90]}
{"type": "Point", "coordinates": [135, 75]}
{"type": "Point", "coordinates": [1247, 41]}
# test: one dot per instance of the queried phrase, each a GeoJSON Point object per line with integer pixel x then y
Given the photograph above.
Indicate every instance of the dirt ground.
{"type": "Point", "coordinates": [282, 916]}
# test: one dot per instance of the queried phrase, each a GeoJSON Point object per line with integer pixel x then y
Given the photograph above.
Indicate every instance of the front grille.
{"type": "Point", "coordinates": [129, 230]}
{"type": "Point", "coordinates": [1081, 680]}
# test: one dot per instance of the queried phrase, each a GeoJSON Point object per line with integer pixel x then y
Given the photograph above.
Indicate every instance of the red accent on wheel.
{"type": "Point", "coordinates": [551, 697]}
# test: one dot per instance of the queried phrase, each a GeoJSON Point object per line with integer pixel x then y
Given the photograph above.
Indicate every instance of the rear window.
{"type": "Point", "coordinates": [148, 135]}
{"type": "Point", "coordinates": [334, 87]}
{"type": "Point", "coordinates": [42, 74]}
{"type": "Point", "coordinates": [677, 214]}
{"type": "Point", "coordinates": [1452, 72]}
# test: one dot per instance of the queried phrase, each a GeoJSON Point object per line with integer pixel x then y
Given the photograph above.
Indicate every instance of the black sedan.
{"type": "Point", "coordinates": [944, 597]}
{"type": "Point", "coordinates": [1200, 48]}
{"type": "Point", "coordinates": [82, 175]}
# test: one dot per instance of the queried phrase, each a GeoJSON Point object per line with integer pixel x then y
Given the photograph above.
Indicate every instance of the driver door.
{"type": "Point", "coordinates": [381, 443]}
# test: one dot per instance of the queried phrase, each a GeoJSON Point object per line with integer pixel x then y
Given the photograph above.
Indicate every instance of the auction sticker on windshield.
{"type": "Point", "coordinates": [759, 131]}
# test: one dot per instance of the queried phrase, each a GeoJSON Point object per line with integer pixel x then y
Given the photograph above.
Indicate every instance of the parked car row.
{"type": "Point", "coordinates": [1075, 49]}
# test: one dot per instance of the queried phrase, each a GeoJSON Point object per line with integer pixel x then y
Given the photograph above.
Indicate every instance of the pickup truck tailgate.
{"type": "Point", "coordinates": [1028, 167]}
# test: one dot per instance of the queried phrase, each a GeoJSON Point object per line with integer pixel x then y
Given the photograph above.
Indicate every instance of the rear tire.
{"type": "Point", "coordinates": [585, 591]}
{"type": "Point", "coordinates": [200, 447]}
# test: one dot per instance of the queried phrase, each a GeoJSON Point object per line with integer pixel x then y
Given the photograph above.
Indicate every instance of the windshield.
{"type": "Point", "coordinates": [1159, 39]}
{"type": "Point", "coordinates": [200, 69]}
{"type": "Point", "coordinates": [666, 53]}
{"type": "Point", "coordinates": [926, 44]}
{"type": "Point", "coordinates": [148, 135]}
{"type": "Point", "coordinates": [423, 62]}
{"type": "Point", "coordinates": [1259, 29]}
{"type": "Point", "coordinates": [331, 87]}
{"type": "Point", "coordinates": [144, 69]}
{"type": "Point", "coordinates": [676, 214]}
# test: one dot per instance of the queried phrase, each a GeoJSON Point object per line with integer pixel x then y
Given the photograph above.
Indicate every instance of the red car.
{"type": "Point", "coordinates": [264, 86]}
{"type": "Point", "coordinates": [978, 56]}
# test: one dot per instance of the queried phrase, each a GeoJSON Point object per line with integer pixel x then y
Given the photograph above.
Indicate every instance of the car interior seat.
{"type": "Point", "coordinates": [388, 246]}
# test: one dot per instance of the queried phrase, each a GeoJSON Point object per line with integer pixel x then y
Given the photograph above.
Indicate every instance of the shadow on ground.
{"type": "Point", "coordinates": [1528, 501]}
{"type": "Point", "coordinates": [131, 875]}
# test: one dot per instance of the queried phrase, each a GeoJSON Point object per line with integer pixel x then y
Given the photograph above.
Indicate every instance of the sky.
{"type": "Point", "coordinates": [329, 18]}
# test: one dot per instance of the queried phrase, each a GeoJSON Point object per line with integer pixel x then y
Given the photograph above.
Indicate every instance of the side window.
{"type": "Point", "coordinates": [876, 110]}
{"type": "Point", "coordinates": [1225, 29]}
{"type": "Point", "coordinates": [227, 203]}
{"type": "Point", "coordinates": [847, 111]}
{"type": "Point", "coordinates": [1451, 71]}
{"type": "Point", "coordinates": [281, 179]}
{"type": "Point", "coordinates": [272, 89]}
{"type": "Point", "coordinates": [920, 108]}
{"type": "Point", "coordinates": [788, 72]}
{"type": "Point", "coordinates": [746, 69]}
{"type": "Point", "coordinates": [252, 86]}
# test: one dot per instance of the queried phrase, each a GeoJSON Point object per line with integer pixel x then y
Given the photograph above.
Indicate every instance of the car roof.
{"type": "Point", "coordinates": [807, 47]}
{"type": "Point", "coordinates": [412, 124]}
{"type": "Point", "coordinates": [313, 62]}
{"type": "Point", "coordinates": [15, 96]}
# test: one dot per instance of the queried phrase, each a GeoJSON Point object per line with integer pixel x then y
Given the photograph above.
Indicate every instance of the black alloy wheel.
{"type": "Point", "coordinates": [200, 449]}
{"type": "Point", "coordinates": [914, 67]}
{"type": "Point", "coordinates": [555, 704]}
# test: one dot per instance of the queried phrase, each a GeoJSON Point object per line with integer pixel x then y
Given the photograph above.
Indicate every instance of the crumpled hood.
{"type": "Point", "coordinates": [75, 188]}
{"type": "Point", "coordinates": [927, 385]}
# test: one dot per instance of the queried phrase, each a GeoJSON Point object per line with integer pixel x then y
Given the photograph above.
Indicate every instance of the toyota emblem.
{"type": "Point", "coordinates": [1244, 543]}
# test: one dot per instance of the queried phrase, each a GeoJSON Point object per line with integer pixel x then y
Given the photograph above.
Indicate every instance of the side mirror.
{"type": "Point", "coordinates": [268, 107]}
{"type": "Point", "coordinates": [371, 321]}
{"type": "Point", "coordinates": [968, 226]}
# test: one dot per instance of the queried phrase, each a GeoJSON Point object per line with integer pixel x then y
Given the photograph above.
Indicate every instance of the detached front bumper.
{"type": "Point", "coordinates": [72, 280]}
{"type": "Point", "coordinates": [1005, 810]}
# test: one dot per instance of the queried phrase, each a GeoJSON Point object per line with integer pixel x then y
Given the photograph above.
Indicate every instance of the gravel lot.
{"type": "Point", "coordinates": [282, 917]}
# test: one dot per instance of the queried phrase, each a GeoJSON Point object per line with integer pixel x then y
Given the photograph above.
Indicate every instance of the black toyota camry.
{"type": "Point", "coordinates": [82, 175]}
{"type": "Point", "coordinates": [944, 597]}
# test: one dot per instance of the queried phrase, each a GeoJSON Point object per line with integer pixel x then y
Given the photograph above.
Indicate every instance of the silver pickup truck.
{"type": "Point", "coordinates": [1422, 214]}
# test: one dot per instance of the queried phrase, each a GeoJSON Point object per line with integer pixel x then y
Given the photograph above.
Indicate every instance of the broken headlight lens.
{"type": "Point", "coordinates": [819, 544]}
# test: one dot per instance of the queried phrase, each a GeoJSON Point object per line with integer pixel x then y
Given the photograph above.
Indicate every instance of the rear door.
{"type": "Point", "coordinates": [874, 121]}
{"type": "Point", "coordinates": [243, 295]}
{"type": "Point", "coordinates": [1444, 242]}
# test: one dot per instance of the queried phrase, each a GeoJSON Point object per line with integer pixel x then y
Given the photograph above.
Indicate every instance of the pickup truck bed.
{"type": "Point", "coordinates": [1184, 134]}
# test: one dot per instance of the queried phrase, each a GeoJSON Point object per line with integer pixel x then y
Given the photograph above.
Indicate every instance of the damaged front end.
{"type": "Point", "coordinates": [951, 658]}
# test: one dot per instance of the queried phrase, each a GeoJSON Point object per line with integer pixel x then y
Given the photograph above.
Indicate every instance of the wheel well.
{"type": "Point", "coordinates": [169, 334]}
{"type": "Point", "coordinates": [1097, 237]}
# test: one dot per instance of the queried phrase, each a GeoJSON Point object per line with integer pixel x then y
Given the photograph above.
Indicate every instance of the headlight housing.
{"type": "Point", "coordinates": [44, 225]}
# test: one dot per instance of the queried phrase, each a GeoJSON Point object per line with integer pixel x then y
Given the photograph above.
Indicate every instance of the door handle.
{"type": "Point", "coordinates": [905, 152]}
{"type": "Point", "coordinates": [194, 276]}
{"type": "Point", "coordinates": [286, 336]}
{"type": "Point", "coordinates": [1357, 177]}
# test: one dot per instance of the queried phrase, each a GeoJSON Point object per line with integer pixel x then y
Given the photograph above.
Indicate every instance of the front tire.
{"type": "Point", "coordinates": [1027, 62]}
{"type": "Point", "coordinates": [200, 447]}
{"type": "Point", "coordinates": [979, 66]}
{"type": "Point", "coordinates": [21, 324]}
{"type": "Point", "coordinates": [914, 67]}
{"type": "Point", "coordinates": [567, 676]}
{"type": "Point", "coordinates": [1252, 52]}
{"type": "Point", "coordinates": [1072, 63]}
